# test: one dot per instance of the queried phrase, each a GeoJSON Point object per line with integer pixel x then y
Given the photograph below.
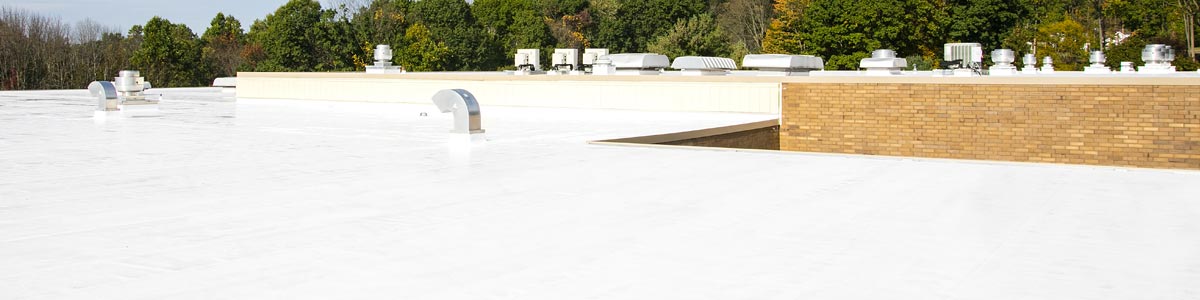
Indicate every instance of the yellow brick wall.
{"type": "Point", "coordinates": [1137, 126]}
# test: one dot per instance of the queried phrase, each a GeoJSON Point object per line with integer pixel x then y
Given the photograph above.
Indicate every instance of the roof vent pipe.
{"type": "Point", "coordinates": [1097, 59]}
{"type": "Point", "coordinates": [465, 108]}
{"type": "Point", "coordinates": [1047, 65]}
{"type": "Point", "coordinates": [1030, 62]}
{"type": "Point", "coordinates": [1127, 67]}
{"type": "Point", "coordinates": [1003, 59]}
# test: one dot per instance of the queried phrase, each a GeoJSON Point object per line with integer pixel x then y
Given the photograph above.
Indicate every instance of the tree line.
{"type": "Point", "coordinates": [39, 52]}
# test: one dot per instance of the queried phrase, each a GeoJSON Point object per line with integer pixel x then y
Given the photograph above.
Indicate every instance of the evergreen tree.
{"type": "Point", "coordinates": [169, 55]}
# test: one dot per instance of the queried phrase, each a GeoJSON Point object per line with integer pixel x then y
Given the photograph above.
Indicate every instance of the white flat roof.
{"type": "Point", "coordinates": [336, 200]}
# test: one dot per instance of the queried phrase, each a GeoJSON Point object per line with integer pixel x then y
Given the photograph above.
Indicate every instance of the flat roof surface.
{"type": "Point", "coordinates": [333, 200]}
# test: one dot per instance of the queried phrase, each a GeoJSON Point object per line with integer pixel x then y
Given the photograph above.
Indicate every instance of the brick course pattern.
{"type": "Point", "coordinates": [1134, 126]}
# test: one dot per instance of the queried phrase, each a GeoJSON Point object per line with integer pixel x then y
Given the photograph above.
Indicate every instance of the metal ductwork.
{"type": "Point", "coordinates": [465, 108]}
{"type": "Point", "coordinates": [106, 95]}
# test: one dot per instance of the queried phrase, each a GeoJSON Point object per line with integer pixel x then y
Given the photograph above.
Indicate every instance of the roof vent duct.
{"type": "Point", "coordinates": [703, 65]}
{"type": "Point", "coordinates": [1158, 58]}
{"type": "Point", "coordinates": [125, 94]}
{"type": "Point", "coordinates": [638, 63]}
{"type": "Point", "coordinates": [465, 108]}
{"type": "Point", "coordinates": [1097, 59]}
{"type": "Point", "coordinates": [883, 62]}
{"type": "Point", "coordinates": [1002, 60]}
{"type": "Point", "coordinates": [383, 62]}
{"type": "Point", "coordinates": [783, 64]}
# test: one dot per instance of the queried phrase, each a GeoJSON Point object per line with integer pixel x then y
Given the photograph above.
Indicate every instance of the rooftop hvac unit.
{"type": "Point", "coordinates": [703, 65]}
{"type": "Point", "coordinates": [967, 57]}
{"type": "Point", "coordinates": [528, 61]}
{"type": "Point", "coordinates": [883, 62]}
{"type": "Point", "coordinates": [783, 64]}
{"type": "Point", "coordinates": [565, 61]}
{"type": "Point", "coordinates": [638, 63]}
{"type": "Point", "coordinates": [590, 56]}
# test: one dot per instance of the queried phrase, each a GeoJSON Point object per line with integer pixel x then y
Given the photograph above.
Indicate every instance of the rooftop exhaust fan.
{"type": "Point", "coordinates": [703, 65]}
{"type": "Point", "coordinates": [1097, 59]}
{"type": "Point", "coordinates": [1002, 60]}
{"type": "Point", "coordinates": [965, 58]}
{"type": "Point", "coordinates": [1158, 58]}
{"type": "Point", "coordinates": [528, 61]}
{"type": "Point", "coordinates": [1030, 67]}
{"type": "Point", "coordinates": [383, 62]}
{"type": "Point", "coordinates": [566, 61]}
{"type": "Point", "coordinates": [124, 94]}
{"type": "Point", "coordinates": [783, 64]}
{"type": "Point", "coordinates": [883, 62]}
{"type": "Point", "coordinates": [1127, 67]}
{"type": "Point", "coordinates": [590, 56]}
{"type": "Point", "coordinates": [638, 63]}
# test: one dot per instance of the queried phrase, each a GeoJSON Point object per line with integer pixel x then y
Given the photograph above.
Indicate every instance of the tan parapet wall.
{"type": "Point", "coordinates": [1139, 122]}
{"type": "Point", "coordinates": [651, 93]}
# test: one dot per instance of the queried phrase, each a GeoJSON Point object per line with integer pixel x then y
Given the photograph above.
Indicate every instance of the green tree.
{"type": "Point", "coordinates": [1063, 41]}
{"type": "Point", "coordinates": [783, 35]}
{"type": "Point", "coordinates": [169, 55]}
{"type": "Point", "coordinates": [845, 31]}
{"type": "Point", "coordinates": [287, 37]}
{"type": "Point", "coordinates": [423, 53]}
{"type": "Point", "coordinates": [451, 22]}
{"type": "Point", "coordinates": [514, 24]}
{"type": "Point", "coordinates": [221, 45]}
{"type": "Point", "coordinates": [745, 21]}
{"type": "Point", "coordinates": [987, 22]}
{"type": "Point", "coordinates": [697, 36]}
{"type": "Point", "coordinates": [381, 22]}
{"type": "Point", "coordinates": [637, 22]}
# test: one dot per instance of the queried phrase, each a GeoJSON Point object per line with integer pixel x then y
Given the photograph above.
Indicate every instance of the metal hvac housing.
{"type": "Point", "coordinates": [703, 65]}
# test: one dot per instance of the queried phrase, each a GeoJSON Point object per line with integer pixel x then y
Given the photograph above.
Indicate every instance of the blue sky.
{"type": "Point", "coordinates": [195, 13]}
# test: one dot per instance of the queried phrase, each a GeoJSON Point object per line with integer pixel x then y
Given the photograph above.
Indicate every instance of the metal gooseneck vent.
{"type": "Point", "coordinates": [462, 103]}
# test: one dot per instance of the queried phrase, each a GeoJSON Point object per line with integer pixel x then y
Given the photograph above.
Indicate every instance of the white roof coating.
{"type": "Point", "coordinates": [332, 200]}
